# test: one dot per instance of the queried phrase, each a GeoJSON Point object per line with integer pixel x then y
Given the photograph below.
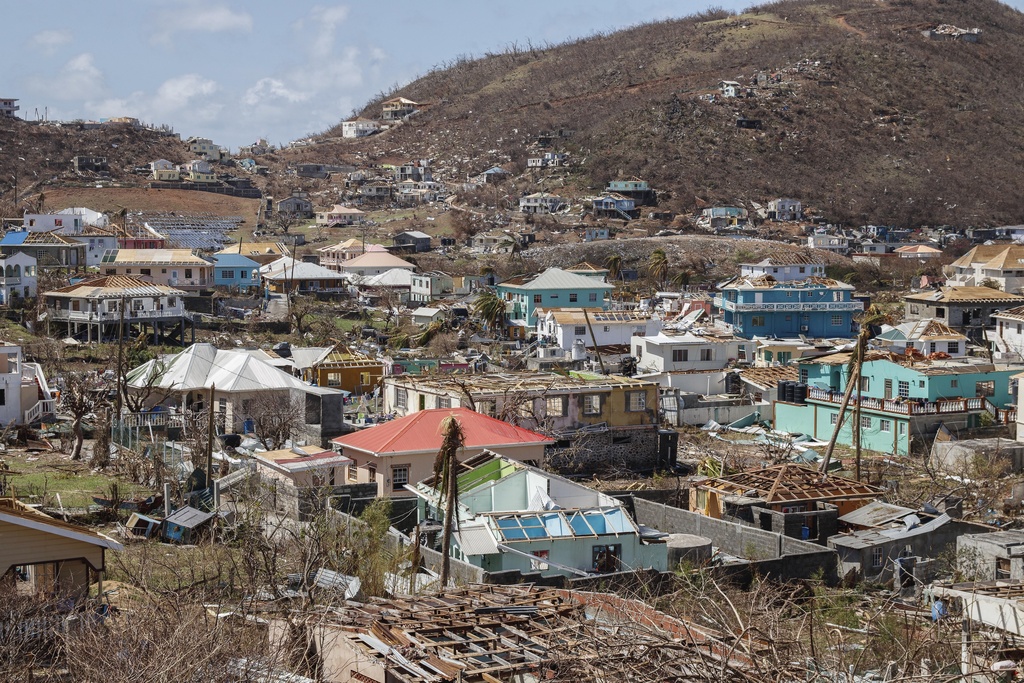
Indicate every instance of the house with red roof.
{"type": "Point", "coordinates": [402, 451]}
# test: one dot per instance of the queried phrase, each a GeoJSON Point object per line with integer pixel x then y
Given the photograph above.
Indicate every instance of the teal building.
{"type": "Point", "coordinates": [554, 288]}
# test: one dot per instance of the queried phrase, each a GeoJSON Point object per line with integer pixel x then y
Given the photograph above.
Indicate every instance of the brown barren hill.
{"type": "Point", "coordinates": [857, 112]}
{"type": "Point", "coordinates": [113, 199]}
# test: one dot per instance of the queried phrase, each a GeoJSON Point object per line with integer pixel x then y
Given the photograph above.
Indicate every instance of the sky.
{"type": "Point", "coordinates": [237, 71]}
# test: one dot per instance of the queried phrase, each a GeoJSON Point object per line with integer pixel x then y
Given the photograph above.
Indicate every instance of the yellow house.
{"type": "Point", "coordinates": [347, 370]}
{"type": "Point", "coordinates": [164, 171]}
{"type": "Point", "coordinates": [53, 557]}
{"type": "Point", "coordinates": [198, 171]}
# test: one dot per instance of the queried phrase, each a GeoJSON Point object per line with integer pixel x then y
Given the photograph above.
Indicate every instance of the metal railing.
{"type": "Point", "coordinates": [115, 316]}
{"type": "Point", "coordinates": [909, 406]}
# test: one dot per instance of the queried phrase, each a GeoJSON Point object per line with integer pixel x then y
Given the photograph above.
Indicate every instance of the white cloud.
{"type": "Point", "coordinates": [193, 17]}
{"type": "Point", "coordinates": [48, 41]}
{"type": "Point", "coordinates": [182, 101]}
{"type": "Point", "coordinates": [326, 21]}
{"type": "Point", "coordinates": [78, 79]}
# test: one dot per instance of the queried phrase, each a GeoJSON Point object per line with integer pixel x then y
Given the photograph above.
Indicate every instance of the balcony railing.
{"type": "Point", "coordinates": [905, 406]}
{"type": "Point", "coordinates": [36, 412]}
{"type": "Point", "coordinates": [115, 316]}
{"type": "Point", "coordinates": [808, 306]}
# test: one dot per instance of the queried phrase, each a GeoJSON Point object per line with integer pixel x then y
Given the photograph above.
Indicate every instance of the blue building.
{"type": "Point", "coordinates": [762, 306]}
{"type": "Point", "coordinates": [554, 288]}
{"type": "Point", "coordinates": [235, 271]}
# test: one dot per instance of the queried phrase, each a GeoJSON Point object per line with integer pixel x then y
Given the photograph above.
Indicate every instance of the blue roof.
{"type": "Point", "coordinates": [13, 239]}
{"type": "Point", "coordinates": [234, 261]}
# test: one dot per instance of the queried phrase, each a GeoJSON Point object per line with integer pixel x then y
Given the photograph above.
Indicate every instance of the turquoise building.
{"type": "Point", "coordinates": [554, 288]}
{"type": "Point", "coordinates": [762, 306]}
{"type": "Point", "coordinates": [235, 271]}
{"type": "Point", "coordinates": [903, 404]}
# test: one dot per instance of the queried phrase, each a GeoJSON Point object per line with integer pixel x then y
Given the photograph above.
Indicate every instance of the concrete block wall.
{"type": "Point", "coordinates": [600, 454]}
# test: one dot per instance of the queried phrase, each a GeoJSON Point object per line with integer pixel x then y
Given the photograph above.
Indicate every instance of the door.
{"type": "Point", "coordinates": [888, 388]}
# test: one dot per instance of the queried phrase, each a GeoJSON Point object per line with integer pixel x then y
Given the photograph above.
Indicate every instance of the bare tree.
{"type": "Point", "coordinates": [83, 393]}
{"type": "Point", "coordinates": [276, 417]}
{"type": "Point", "coordinates": [446, 477]}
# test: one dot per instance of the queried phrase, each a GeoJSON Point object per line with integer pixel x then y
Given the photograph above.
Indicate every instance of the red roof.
{"type": "Point", "coordinates": [421, 431]}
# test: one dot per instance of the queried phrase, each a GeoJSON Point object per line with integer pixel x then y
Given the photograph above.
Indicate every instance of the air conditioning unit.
{"type": "Point", "coordinates": [804, 328]}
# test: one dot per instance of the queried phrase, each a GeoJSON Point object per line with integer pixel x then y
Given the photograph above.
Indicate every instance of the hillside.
{"type": "Point", "coordinates": [871, 121]}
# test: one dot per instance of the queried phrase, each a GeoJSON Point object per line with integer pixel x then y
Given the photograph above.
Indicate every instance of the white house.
{"type": "Point", "coordinates": [837, 244]}
{"type": "Point", "coordinates": [89, 216]}
{"type": "Point", "coordinates": [1008, 335]}
{"type": "Point", "coordinates": [359, 128]}
{"type": "Point", "coordinates": [18, 277]}
{"type": "Point", "coordinates": [426, 287]}
{"type": "Point", "coordinates": [339, 215]}
{"type": "Point", "coordinates": [374, 263]}
{"type": "Point", "coordinates": [564, 326]}
{"type": "Point", "coordinates": [24, 393]}
{"type": "Point", "coordinates": [783, 209]}
{"type": "Point", "coordinates": [97, 241]}
{"type": "Point", "coordinates": [164, 170]}
{"type": "Point", "coordinates": [48, 222]}
{"type": "Point", "coordinates": [784, 269]}
{"type": "Point", "coordinates": [730, 88]}
{"type": "Point", "coordinates": [997, 265]}
{"type": "Point", "coordinates": [924, 336]}
{"type": "Point", "coordinates": [8, 107]}
{"type": "Point", "coordinates": [425, 315]}
{"type": "Point", "coordinates": [540, 202]}
{"type": "Point", "coordinates": [684, 352]}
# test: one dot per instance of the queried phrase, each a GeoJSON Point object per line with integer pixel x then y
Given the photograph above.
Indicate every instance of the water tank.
{"type": "Point", "coordinates": [791, 392]}
{"type": "Point", "coordinates": [688, 548]}
{"type": "Point", "coordinates": [579, 350]}
{"type": "Point", "coordinates": [668, 447]}
{"type": "Point", "coordinates": [801, 393]}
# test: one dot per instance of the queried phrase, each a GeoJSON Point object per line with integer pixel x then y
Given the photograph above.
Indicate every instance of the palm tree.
{"type": "Point", "coordinates": [657, 266]}
{"type": "Point", "coordinates": [614, 265]}
{"type": "Point", "coordinates": [430, 332]}
{"type": "Point", "coordinates": [872, 317]}
{"type": "Point", "coordinates": [447, 484]}
{"type": "Point", "coordinates": [682, 278]}
{"type": "Point", "coordinates": [490, 308]}
{"type": "Point", "coordinates": [488, 272]}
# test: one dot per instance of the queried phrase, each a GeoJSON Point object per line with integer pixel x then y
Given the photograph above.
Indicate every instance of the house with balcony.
{"type": "Point", "coordinates": [615, 418]}
{"type": "Point", "coordinates": [614, 205]}
{"type": "Point", "coordinates": [903, 403]}
{"type": "Point", "coordinates": [336, 255]}
{"type": "Point", "coordinates": [94, 309]}
{"type": "Point", "coordinates": [338, 216]}
{"type": "Point", "coordinates": [97, 241]}
{"type": "Point", "coordinates": [761, 306]}
{"type": "Point", "coordinates": [25, 395]}
{"type": "Point", "coordinates": [548, 160]}
{"type": "Point", "coordinates": [512, 516]}
{"type": "Point", "coordinates": [837, 244]}
{"type": "Point", "coordinates": [553, 288]}
{"type": "Point", "coordinates": [640, 191]}
{"type": "Point", "coordinates": [179, 268]}
{"type": "Point", "coordinates": [566, 327]}
{"type": "Point", "coordinates": [235, 272]}
{"type": "Point", "coordinates": [927, 338]}
{"type": "Point", "coordinates": [398, 109]}
{"type": "Point", "coordinates": [966, 309]}
{"type": "Point", "coordinates": [18, 278]}
{"type": "Point", "coordinates": [205, 148]}
{"type": "Point", "coordinates": [402, 451]}
{"type": "Point", "coordinates": [164, 171]}
{"type": "Point", "coordinates": [359, 128]}
{"type": "Point", "coordinates": [786, 268]}
{"type": "Point", "coordinates": [50, 250]}
{"type": "Point", "coordinates": [541, 203]}
{"type": "Point", "coordinates": [8, 107]}
{"type": "Point", "coordinates": [1000, 266]}
{"type": "Point", "coordinates": [290, 276]}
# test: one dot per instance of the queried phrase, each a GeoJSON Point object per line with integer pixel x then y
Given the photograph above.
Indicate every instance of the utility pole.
{"type": "Point", "coordinates": [597, 350]}
{"type": "Point", "coordinates": [120, 352]}
{"type": "Point", "coordinates": [209, 443]}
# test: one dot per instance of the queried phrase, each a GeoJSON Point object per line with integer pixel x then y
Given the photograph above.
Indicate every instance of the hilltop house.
{"type": "Point", "coordinates": [904, 401]}
{"type": "Point", "coordinates": [553, 288]}
{"type": "Point", "coordinates": [94, 307]}
{"type": "Point", "coordinates": [730, 89]}
{"type": "Point", "coordinates": [164, 171]}
{"type": "Point", "coordinates": [336, 255]}
{"type": "Point", "coordinates": [198, 171]}
{"type": "Point", "coordinates": [398, 108]}
{"type": "Point", "coordinates": [515, 517]}
{"type": "Point", "coordinates": [764, 307]}
{"type": "Point", "coordinates": [359, 128]}
{"type": "Point", "coordinates": [639, 191]}
{"type": "Point", "coordinates": [548, 160]}
{"type": "Point", "coordinates": [18, 278]}
{"type": "Point", "coordinates": [962, 308]}
{"type": "Point", "coordinates": [297, 205]}
{"type": "Point", "coordinates": [783, 209]}
{"type": "Point", "coordinates": [403, 451]}
{"type": "Point", "coordinates": [541, 203]}
{"type": "Point", "coordinates": [235, 272]}
{"type": "Point", "coordinates": [8, 107]}
{"type": "Point", "coordinates": [790, 499]}
{"type": "Point", "coordinates": [614, 205]}
{"type": "Point", "coordinates": [179, 268]}
{"type": "Point", "coordinates": [1000, 266]}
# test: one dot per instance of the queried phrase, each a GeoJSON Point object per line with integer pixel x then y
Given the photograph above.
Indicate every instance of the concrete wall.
{"type": "Point", "coordinates": [771, 554]}
{"type": "Point", "coordinates": [617, 450]}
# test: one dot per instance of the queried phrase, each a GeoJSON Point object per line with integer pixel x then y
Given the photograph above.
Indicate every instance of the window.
{"type": "Point", "coordinates": [592, 404]}
{"type": "Point", "coordinates": [444, 401]}
{"type": "Point", "coordinates": [885, 426]}
{"type": "Point", "coordinates": [573, 297]}
{"type": "Point", "coordinates": [837, 320]}
{"type": "Point", "coordinates": [592, 297]}
{"type": "Point", "coordinates": [636, 401]}
{"type": "Point", "coordinates": [334, 379]}
{"type": "Point", "coordinates": [171, 301]}
{"type": "Point", "coordinates": [985, 388]}
{"type": "Point", "coordinates": [486, 408]}
{"type": "Point", "coordinates": [606, 557]}
{"type": "Point", "coordinates": [931, 347]}
{"type": "Point", "coordinates": [399, 477]}
{"type": "Point", "coordinates": [901, 428]}
{"type": "Point", "coordinates": [954, 383]}
{"type": "Point", "coordinates": [804, 375]}
{"type": "Point", "coordinates": [353, 471]}
{"type": "Point", "coordinates": [757, 321]}
{"type": "Point", "coordinates": [145, 271]}
{"type": "Point", "coordinates": [537, 298]}
{"type": "Point", "coordinates": [639, 353]}
{"type": "Point", "coordinates": [706, 354]}
{"type": "Point", "coordinates": [401, 398]}
{"type": "Point", "coordinates": [111, 271]}
{"type": "Point", "coordinates": [903, 389]}
{"type": "Point", "coordinates": [954, 347]}
{"type": "Point", "coordinates": [228, 274]}
{"type": "Point", "coordinates": [580, 331]}
{"type": "Point", "coordinates": [554, 406]}
{"type": "Point", "coordinates": [876, 558]}
{"type": "Point", "coordinates": [865, 422]}
{"type": "Point", "coordinates": [833, 418]}
{"type": "Point", "coordinates": [680, 355]}
{"type": "Point", "coordinates": [188, 273]}
{"type": "Point", "coordinates": [539, 564]}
